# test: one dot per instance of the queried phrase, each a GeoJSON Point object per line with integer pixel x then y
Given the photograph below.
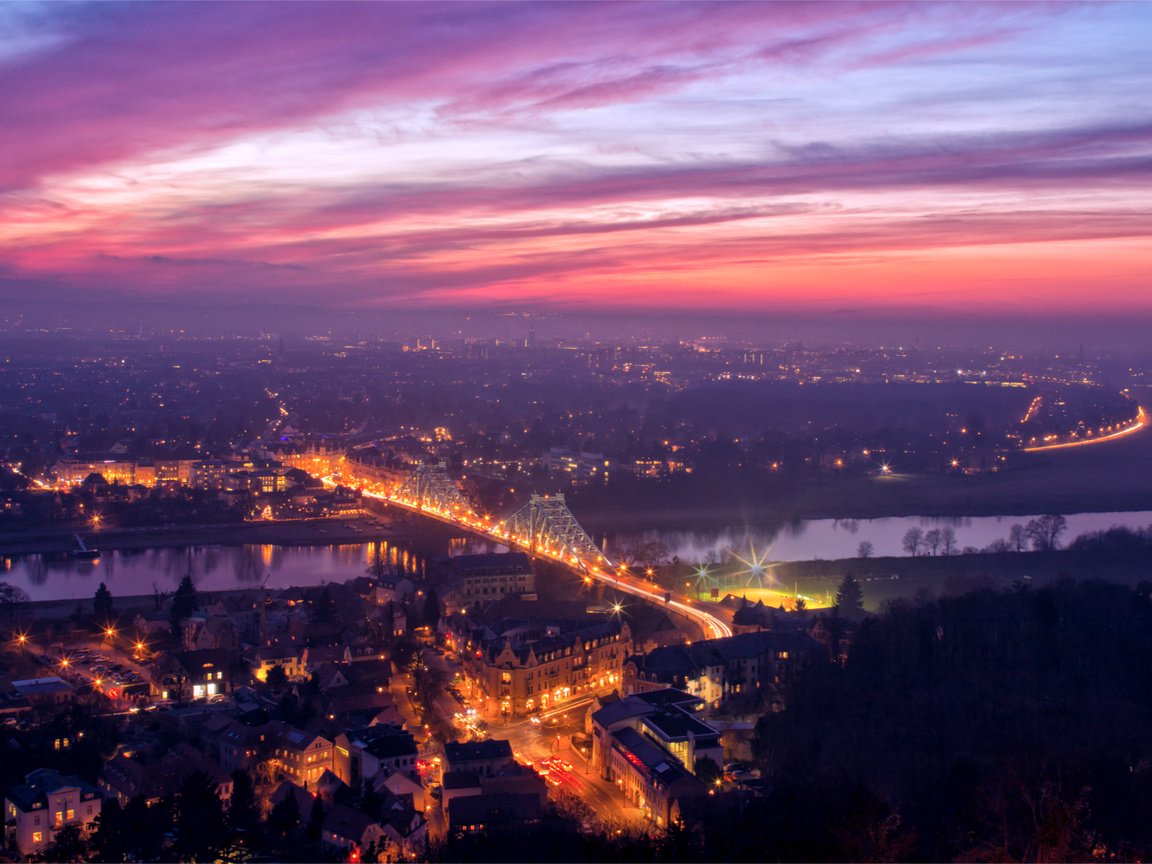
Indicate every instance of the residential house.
{"type": "Point", "coordinates": [46, 802]}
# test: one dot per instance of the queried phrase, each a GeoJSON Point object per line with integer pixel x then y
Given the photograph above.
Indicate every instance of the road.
{"type": "Point", "coordinates": [552, 737]}
{"type": "Point", "coordinates": [1140, 423]}
{"type": "Point", "coordinates": [600, 800]}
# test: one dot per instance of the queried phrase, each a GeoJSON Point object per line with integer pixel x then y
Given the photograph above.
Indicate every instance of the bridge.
{"type": "Point", "coordinates": [543, 527]}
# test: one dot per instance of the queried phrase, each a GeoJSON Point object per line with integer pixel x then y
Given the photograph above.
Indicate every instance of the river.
{"type": "Point", "coordinates": [829, 539]}
{"type": "Point", "coordinates": [140, 572]}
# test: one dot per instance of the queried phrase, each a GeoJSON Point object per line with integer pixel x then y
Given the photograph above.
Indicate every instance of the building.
{"type": "Point", "coordinates": [73, 472]}
{"type": "Point", "coordinates": [483, 757]}
{"type": "Point", "coordinates": [46, 802]}
{"type": "Point", "coordinates": [752, 665]}
{"type": "Point", "coordinates": [578, 466]}
{"type": "Point", "coordinates": [484, 578]}
{"type": "Point", "coordinates": [481, 814]}
{"type": "Point", "coordinates": [288, 656]}
{"type": "Point", "coordinates": [648, 778]}
{"type": "Point", "coordinates": [197, 674]}
{"type": "Point", "coordinates": [49, 692]}
{"type": "Point", "coordinates": [125, 778]}
{"type": "Point", "coordinates": [360, 754]}
{"type": "Point", "coordinates": [302, 756]}
{"type": "Point", "coordinates": [518, 668]}
{"type": "Point", "coordinates": [652, 746]}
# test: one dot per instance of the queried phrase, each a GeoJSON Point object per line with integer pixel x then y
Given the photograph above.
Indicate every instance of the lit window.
{"type": "Point", "coordinates": [37, 836]}
{"type": "Point", "coordinates": [72, 814]}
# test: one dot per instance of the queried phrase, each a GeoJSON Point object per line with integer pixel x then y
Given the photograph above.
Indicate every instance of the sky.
{"type": "Point", "coordinates": [769, 158]}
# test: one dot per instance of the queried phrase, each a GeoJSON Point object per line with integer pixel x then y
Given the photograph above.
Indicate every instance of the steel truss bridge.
{"type": "Point", "coordinates": [543, 527]}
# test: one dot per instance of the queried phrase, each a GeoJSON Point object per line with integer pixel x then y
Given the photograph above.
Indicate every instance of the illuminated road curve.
{"type": "Point", "coordinates": [711, 625]}
{"type": "Point", "coordinates": [1141, 422]}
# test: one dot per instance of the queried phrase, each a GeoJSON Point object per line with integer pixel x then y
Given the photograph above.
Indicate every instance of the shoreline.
{"type": "Point", "coordinates": [310, 532]}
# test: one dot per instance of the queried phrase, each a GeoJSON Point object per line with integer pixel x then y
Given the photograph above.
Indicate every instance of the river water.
{"type": "Point", "coordinates": [829, 539]}
{"type": "Point", "coordinates": [138, 572]}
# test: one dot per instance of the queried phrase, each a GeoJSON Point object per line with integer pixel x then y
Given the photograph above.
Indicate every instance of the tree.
{"type": "Point", "coordinates": [431, 608]}
{"type": "Point", "coordinates": [276, 677]}
{"type": "Point", "coordinates": [285, 816]}
{"type": "Point", "coordinates": [849, 597]}
{"type": "Point", "coordinates": [1018, 538]}
{"type": "Point", "coordinates": [316, 820]}
{"type": "Point", "coordinates": [370, 801]}
{"type": "Point", "coordinates": [1045, 532]}
{"type": "Point", "coordinates": [913, 540]}
{"type": "Point", "coordinates": [144, 828]}
{"type": "Point", "coordinates": [653, 553]}
{"type": "Point", "coordinates": [109, 839]}
{"type": "Point", "coordinates": [801, 604]}
{"type": "Point", "coordinates": [11, 599]}
{"type": "Point", "coordinates": [932, 540]}
{"type": "Point", "coordinates": [865, 549]}
{"type": "Point", "coordinates": [199, 823]}
{"type": "Point", "coordinates": [102, 604]}
{"type": "Point", "coordinates": [948, 541]}
{"type": "Point", "coordinates": [243, 813]}
{"type": "Point", "coordinates": [67, 845]}
{"type": "Point", "coordinates": [707, 770]}
{"type": "Point", "coordinates": [184, 602]}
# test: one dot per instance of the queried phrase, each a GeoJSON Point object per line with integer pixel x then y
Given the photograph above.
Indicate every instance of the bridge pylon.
{"type": "Point", "coordinates": [546, 525]}
{"type": "Point", "coordinates": [430, 488]}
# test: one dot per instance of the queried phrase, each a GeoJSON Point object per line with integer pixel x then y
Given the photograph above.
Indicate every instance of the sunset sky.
{"type": "Point", "coordinates": [966, 158]}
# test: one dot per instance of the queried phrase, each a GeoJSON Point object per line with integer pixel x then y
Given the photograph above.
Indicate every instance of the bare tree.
{"type": "Point", "coordinates": [1045, 532]}
{"type": "Point", "coordinates": [1017, 538]}
{"type": "Point", "coordinates": [948, 541]}
{"type": "Point", "coordinates": [865, 549]}
{"type": "Point", "coordinates": [913, 541]}
{"type": "Point", "coordinates": [932, 540]}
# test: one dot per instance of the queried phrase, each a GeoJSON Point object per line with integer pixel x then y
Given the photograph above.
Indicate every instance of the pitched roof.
{"type": "Point", "coordinates": [501, 807]}
{"type": "Point", "coordinates": [465, 751]}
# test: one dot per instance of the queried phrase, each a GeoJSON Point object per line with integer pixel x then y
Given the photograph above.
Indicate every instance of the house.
{"type": "Point", "coordinates": [360, 754]}
{"type": "Point", "coordinates": [198, 674]}
{"type": "Point", "coordinates": [752, 664]}
{"type": "Point", "coordinates": [49, 692]}
{"type": "Point", "coordinates": [401, 785]}
{"type": "Point", "coordinates": [488, 577]}
{"type": "Point", "coordinates": [241, 746]}
{"type": "Point", "coordinates": [301, 756]}
{"type": "Point", "coordinates": [46, 802]}
{"type": "Point", "coordinates": [481, 814]}
{"type": "Point", "coordinates": [126, 777]}
{"type": "Point", "coordinates": [483, 757]}
{"type": "Point", "coordinates": [512, 778]}
{"type": "Point", "coordinates": [289, 656]}
{"type": "Point", "coordinates": [398, 834]}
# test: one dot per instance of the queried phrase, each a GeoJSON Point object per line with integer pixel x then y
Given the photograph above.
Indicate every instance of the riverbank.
{"type": "Point", "coordinates": [304, 532]}
{"type": "Point", "coordinates": [1106, 478]}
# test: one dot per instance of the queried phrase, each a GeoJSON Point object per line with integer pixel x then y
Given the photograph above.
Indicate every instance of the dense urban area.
{"type": "Point", "coordinates": [501, 675]}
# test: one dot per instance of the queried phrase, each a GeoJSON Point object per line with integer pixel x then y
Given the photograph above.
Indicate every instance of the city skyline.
{"type": "Point", "coordinates": [973, 160]}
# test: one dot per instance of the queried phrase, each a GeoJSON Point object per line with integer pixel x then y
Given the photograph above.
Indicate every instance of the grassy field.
{"type": "Point", "coordinates": [885, 579]}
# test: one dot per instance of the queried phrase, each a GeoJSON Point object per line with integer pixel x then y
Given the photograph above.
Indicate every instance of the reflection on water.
{"type": "Point", "coordinates": [129, 572]}
{"type": "Point", "coordinates": [141, 571]}
{"type": "Point", "coordinates": [841, 538]}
